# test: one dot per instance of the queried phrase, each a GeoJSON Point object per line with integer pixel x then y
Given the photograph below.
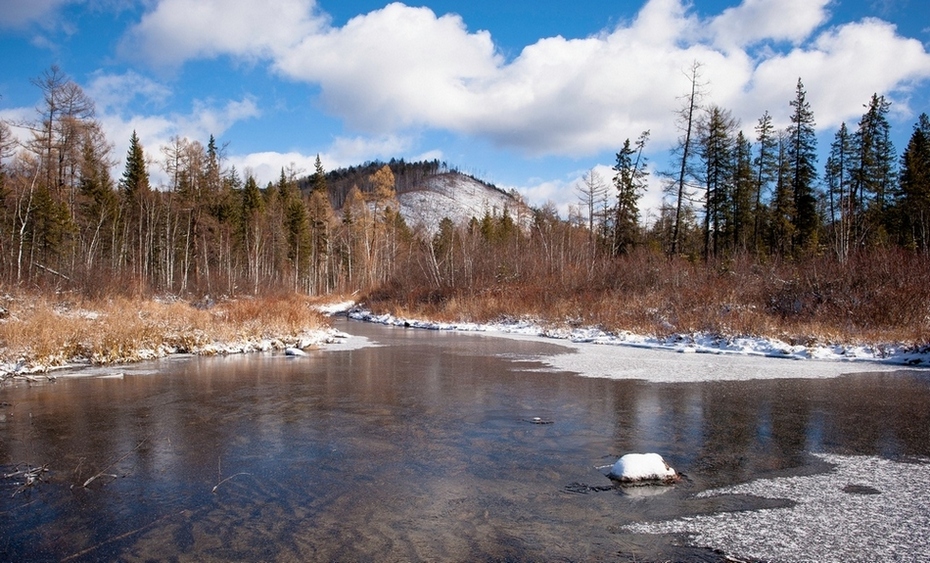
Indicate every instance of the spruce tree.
{"type": "Point", "coordinates": [802, 157]}
{"type": "Point", "coordinates": [318, 178]}
{"type": "Point", "coordinates": [630, 181]}
{"type": "Point", "coordinates": [839, 181]}
{"type": "Point", "coordinates": [766, 167]}
{"type": "Point", "coordinates": [914, 199]}
{"type": "Point", "coordinates": [716, 148]}
{"type": "Point", "coordinates": [874, 171]}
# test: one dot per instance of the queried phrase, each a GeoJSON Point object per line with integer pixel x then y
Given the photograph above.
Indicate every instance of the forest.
{"type": "Point", "coordinates": [755, 236]}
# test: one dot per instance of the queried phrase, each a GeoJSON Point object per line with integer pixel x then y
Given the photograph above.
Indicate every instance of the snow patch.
{"type": "Point", "coordinates": [866, 509]}
{"type": "Point", "coordinates": [706, 357]}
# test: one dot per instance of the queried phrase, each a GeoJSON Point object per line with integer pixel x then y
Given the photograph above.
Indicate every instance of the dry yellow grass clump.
{"type": "Point", "coordinates": [44, 331]}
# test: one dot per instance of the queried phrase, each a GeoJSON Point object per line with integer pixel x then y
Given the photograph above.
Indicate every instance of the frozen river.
{"type": "Point", "coordinates": [414, 445]}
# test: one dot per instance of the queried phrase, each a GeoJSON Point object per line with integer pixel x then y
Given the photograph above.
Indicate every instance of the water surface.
{"type": "Point", "coordinates": [421, 447]}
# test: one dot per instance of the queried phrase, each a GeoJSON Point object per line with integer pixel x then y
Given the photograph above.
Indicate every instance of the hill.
{"type": "Point", "coordinates": [460, 198]}
{"type": "Point", "coordinates": [429, 191]}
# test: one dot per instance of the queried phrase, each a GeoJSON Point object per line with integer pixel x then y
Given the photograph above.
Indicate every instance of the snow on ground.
{"type": "Point", "coordinates": [698, 357]}
{"type": "Point", "coordinates": [866, 509]}
{"type": "Point", "coordinates": [458, 198]}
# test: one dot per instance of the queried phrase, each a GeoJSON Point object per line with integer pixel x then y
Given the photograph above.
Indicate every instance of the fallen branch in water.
{"type": "Point", "coordinates": [31, 476]}
{"type": "Point", "coordinates": [103, 473]}
{"type": "Point", "coordinates": [219, 473]}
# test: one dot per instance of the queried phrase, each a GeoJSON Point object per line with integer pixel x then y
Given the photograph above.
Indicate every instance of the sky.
{"type": "Point", "coordinates": [526, 94]}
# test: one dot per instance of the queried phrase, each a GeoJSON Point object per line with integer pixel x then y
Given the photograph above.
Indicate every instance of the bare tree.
{"type": "Point", "coordinates": [686, 120]}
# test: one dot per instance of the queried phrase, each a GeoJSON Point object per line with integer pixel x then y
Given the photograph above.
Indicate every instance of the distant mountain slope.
{"type": "Point", "coordinates": [429, 191]}
{"type": "Point", "coordinates": [458, 197]}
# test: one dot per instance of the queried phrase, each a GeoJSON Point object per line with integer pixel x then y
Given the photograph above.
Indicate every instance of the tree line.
{"type": "Point", "coordinates": [66, 223]}
{"type": "Point", "coordinates": [730, 194]}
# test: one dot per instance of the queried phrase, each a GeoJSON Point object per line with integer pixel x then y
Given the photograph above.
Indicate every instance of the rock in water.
{"type": "Point", "coordinates": [292, 351]}
{"type": "Point", "coordinates": [642, 469]}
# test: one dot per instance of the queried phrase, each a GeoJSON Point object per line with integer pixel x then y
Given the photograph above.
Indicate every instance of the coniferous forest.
{"type": "Point", "coordinates": [757, 236]}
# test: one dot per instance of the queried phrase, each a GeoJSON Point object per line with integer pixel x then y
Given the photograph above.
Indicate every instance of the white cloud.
{"type": "Point", "coordinates": [266, 166]}
{"type": "Point", "coordinates": [348, 151]}
{"type": "Point", "coordinates": [841, 70]}
{"type": "Point", "coordinates": [178, 30]}
{"type": "Point", "coordinates": [400, 70]}
{"type": "Point", "coordinates": [18, 13]}
{"type": "Point", "coordinates": [767, 20]}
{"type": "Point", "coordinates": [113, 92]}
{"type": "Point", "coordinates": [395, 67]}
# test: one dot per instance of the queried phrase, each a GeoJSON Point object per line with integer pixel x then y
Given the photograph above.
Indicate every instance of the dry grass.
{"type": "Point", "coordinates": [878, 297]}
{"type": "Point", "coordinates": [44, 331]}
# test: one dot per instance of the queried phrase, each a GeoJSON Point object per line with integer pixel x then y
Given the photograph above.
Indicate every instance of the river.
{"type": "Point", "coordinates": [415, 446]}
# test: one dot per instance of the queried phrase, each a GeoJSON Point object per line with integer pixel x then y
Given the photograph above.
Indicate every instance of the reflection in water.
{"type": "Point", "coordinates": [418, 449]}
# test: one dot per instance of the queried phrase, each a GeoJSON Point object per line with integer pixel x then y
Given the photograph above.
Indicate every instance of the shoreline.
{"type": "Point", "coordinates": [591, 345]}
{"type": "Point", "coordinates": [889, 355]}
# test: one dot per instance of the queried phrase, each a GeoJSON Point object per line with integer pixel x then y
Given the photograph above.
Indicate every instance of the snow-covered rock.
{"type": "Point", "coordinates": [642, 468]}
{"type": "Point", "coordinates": [294, 351]}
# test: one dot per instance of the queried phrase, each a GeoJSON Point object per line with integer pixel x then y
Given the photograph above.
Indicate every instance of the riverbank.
{"type": "Point", "coordinates": [40, 334]}
{"type": "Point", "coordinates": [895, 354]}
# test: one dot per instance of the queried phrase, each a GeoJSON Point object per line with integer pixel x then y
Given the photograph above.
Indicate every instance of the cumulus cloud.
{"type": "Point", "coordinates": [178, 30]}
{"type": "Point", "coordinates": [396, 67]}
{"type": "Point", "coordinates": [767, 20]}
{"type": "Point", "coordinates": [400, 69]}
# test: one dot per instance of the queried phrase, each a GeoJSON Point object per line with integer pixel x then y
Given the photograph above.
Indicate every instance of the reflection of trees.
{"type": "Point", "coordinates": [880, 414]}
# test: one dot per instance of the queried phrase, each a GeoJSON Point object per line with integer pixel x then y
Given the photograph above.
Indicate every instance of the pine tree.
{"type": "Point", "coordinates": [744, 188]}
{"type": "Point", "coordinates": [802, 156]}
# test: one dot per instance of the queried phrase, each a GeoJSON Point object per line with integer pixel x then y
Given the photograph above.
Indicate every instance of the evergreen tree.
{"type": "Point", "coordinates": [134, 187]}
{"type": "Point", "coordinates": [874, 172]}
{"type": "Point", "coordinates": [913, 208]}
{"type": "Point", "coordinates": [782, 226]}
{"type": "Point", "coordinates": [744, 188]}
{"type": "Point", "coordinates": [766, 166]}
{"type": "Point", "coordinates": [630, 181]}
{"type": "Point", "coordinates": [716, 148]}
{"type": "Point", "coordinates": [802, 157]}
{"type": "Point", "coordinates": [839, 181]}
{"type": "Point", "coordinates": [318, 179]}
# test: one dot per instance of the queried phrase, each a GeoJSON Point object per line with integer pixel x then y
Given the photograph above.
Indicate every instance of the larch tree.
{"type": "Point", "coordinates": [686, 120]}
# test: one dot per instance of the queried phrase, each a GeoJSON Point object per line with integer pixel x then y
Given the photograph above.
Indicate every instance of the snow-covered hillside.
{"type": "Point", "coordinates": [458, 197]}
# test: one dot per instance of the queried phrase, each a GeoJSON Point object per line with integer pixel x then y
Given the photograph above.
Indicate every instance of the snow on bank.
{"type": "Point", "coordinates": [866, 509]}
{"type": "Point", "coordinates": [700, 357]}
{"type": "Point", "coordinates": [309, 339]}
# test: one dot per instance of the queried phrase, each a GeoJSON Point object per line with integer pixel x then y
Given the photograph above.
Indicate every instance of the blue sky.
{"type": "Point", "coordinates": [526, 94]}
